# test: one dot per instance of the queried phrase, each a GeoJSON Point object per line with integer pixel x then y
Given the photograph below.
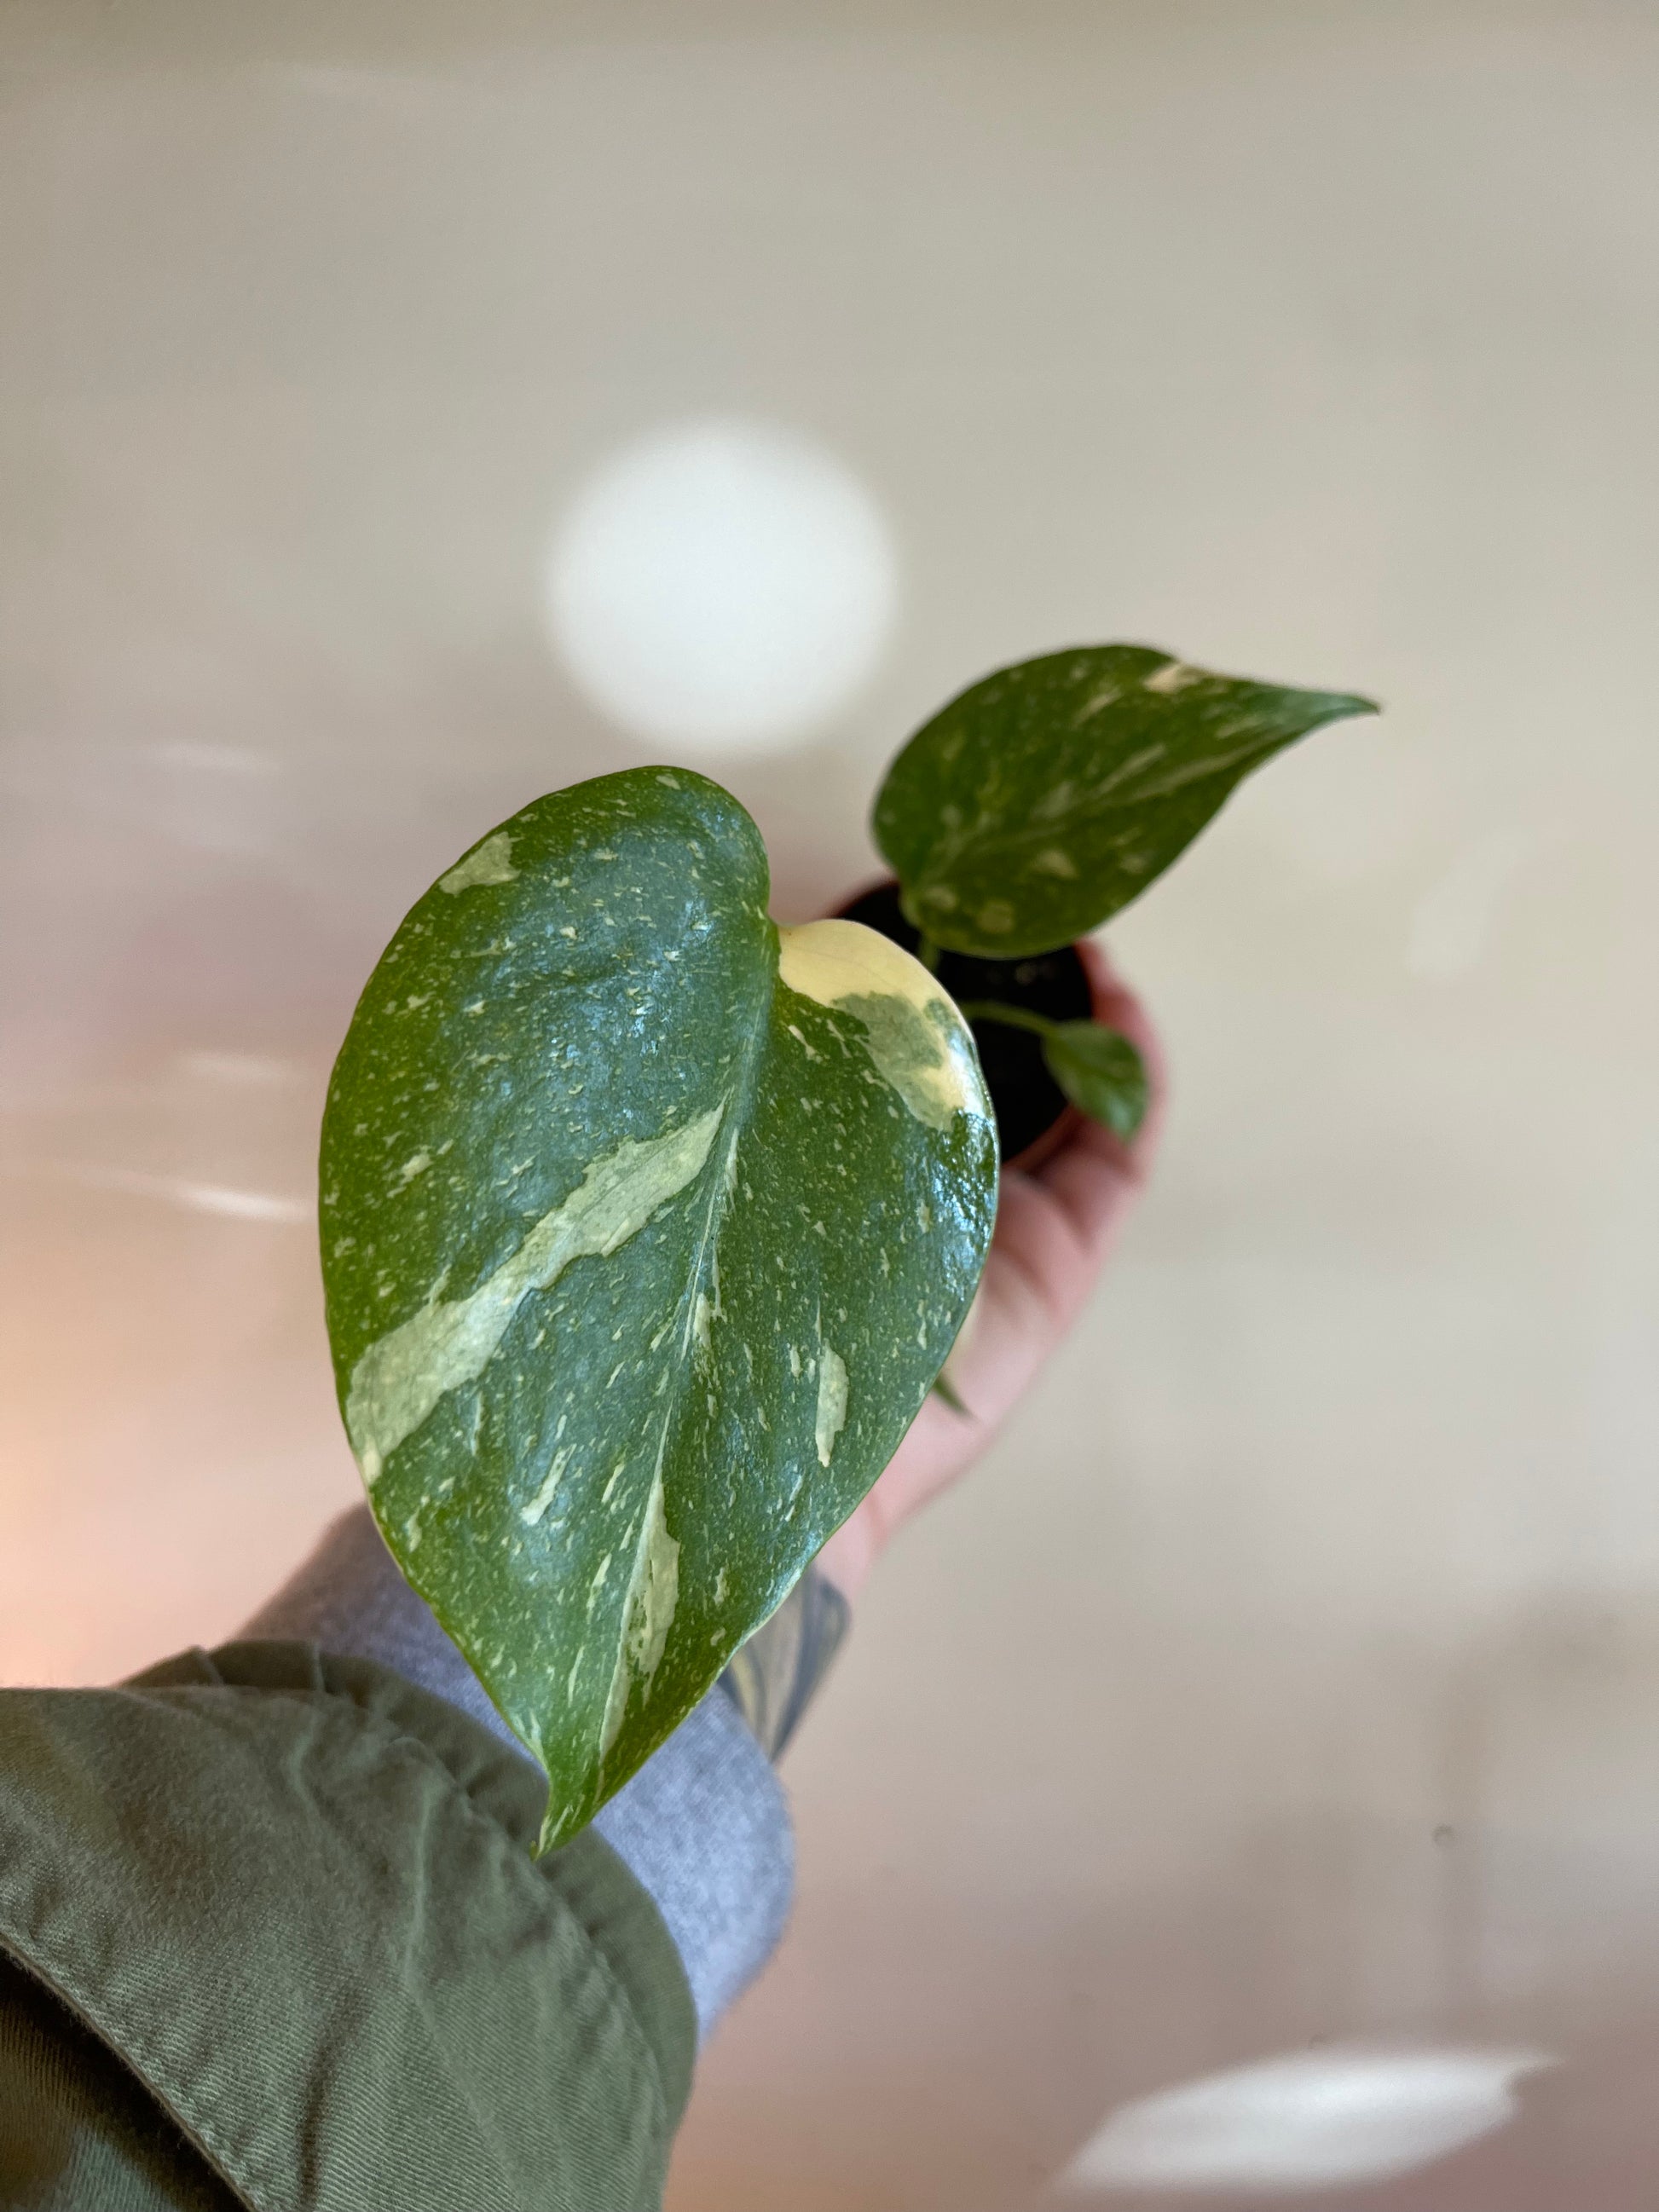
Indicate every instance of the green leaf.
{"type": "Point", "coordinates": [646, 1228]}
{"type": "Point", "coordinates": [944, 1389]}
{"type": "Point", "coordinates": [1048, 796]}
{"type": "Point", "coordinates": [1099, 1070]}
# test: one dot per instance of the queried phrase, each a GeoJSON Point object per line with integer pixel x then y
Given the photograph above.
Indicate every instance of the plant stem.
{"type": "Point", "coordinates": [929, 954]}
{"type": "Point", "coordinates": [1015, 1018]}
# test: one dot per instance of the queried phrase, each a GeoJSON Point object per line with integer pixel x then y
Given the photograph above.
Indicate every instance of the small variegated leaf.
{"type": "Point", "coordinates": [1046, 797]}
{"type": "Point", "coordinates": [1100, 1071]}
{"type": "Point", "coordinates": [646, 1228]}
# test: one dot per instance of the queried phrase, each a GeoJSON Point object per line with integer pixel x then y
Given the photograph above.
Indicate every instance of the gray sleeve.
{"type": "Point", "coordinates": [703, 1827]}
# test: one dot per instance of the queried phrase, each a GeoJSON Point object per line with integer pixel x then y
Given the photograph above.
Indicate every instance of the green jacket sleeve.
{"type": "Point", "coordinates": [271, 1937]}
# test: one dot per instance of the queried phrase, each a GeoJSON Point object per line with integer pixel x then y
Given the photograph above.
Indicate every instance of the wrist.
{"type": "Point", "coordinates": [846, 1560]}
{"type": "Point", "coordinates": [774, 1676]}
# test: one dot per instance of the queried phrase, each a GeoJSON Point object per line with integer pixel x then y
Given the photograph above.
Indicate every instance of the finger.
{"type": "Point", "coordinates": [1037, 1239]}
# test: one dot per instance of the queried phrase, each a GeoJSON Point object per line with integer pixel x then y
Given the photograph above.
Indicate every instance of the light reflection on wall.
{"type": "Point", "coordinates": [1312, 2120]}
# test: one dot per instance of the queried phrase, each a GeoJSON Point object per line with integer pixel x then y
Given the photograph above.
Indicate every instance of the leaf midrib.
{"type": "Point", "coordinates": [1087, 817]}
{"type": "Point", "coordinates": [735, 1120]}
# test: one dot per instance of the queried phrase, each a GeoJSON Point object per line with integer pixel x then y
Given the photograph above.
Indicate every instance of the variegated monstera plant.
{"type": "Point", "coordinates": [647, 1224]}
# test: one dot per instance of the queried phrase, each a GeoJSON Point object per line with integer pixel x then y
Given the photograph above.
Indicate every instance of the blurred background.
{"type": "Point", "coordinates": [1248, 1784]}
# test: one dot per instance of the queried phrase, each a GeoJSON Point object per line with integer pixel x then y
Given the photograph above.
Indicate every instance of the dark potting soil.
{"type": "Point", "coordinates": [1027, 1099]}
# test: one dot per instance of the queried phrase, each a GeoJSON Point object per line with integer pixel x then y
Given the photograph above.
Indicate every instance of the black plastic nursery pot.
{"type": "Point", "coordinates": [1034, 1115]}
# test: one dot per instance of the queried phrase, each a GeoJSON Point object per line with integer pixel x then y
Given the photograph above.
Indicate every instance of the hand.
{"type": "Point", "coordinates": [1055, 1229]}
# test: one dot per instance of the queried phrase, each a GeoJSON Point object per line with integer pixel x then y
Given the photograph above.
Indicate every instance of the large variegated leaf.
{"type": "Point", "coordinates": [645, 1228]}
{"type": "Point", "coordinates": [1044, 799]}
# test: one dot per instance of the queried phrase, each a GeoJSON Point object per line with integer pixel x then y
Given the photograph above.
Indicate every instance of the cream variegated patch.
{"type": "Point", "coordinates": [491, 863]}
{"type": "Point", "coordinates": [919, 1042]}
{"type": "Point", "coordinates": [648, 1611]}
{"type": "Point", "coordinates": [401, 1377]}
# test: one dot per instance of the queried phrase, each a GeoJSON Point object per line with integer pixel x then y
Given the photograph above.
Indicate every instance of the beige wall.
{"type": "Point", "coordinates": [1293, 1670]}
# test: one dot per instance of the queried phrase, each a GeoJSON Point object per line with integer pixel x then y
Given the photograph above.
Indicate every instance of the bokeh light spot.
{"type": "Point", "coordinates": [722, 586]}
